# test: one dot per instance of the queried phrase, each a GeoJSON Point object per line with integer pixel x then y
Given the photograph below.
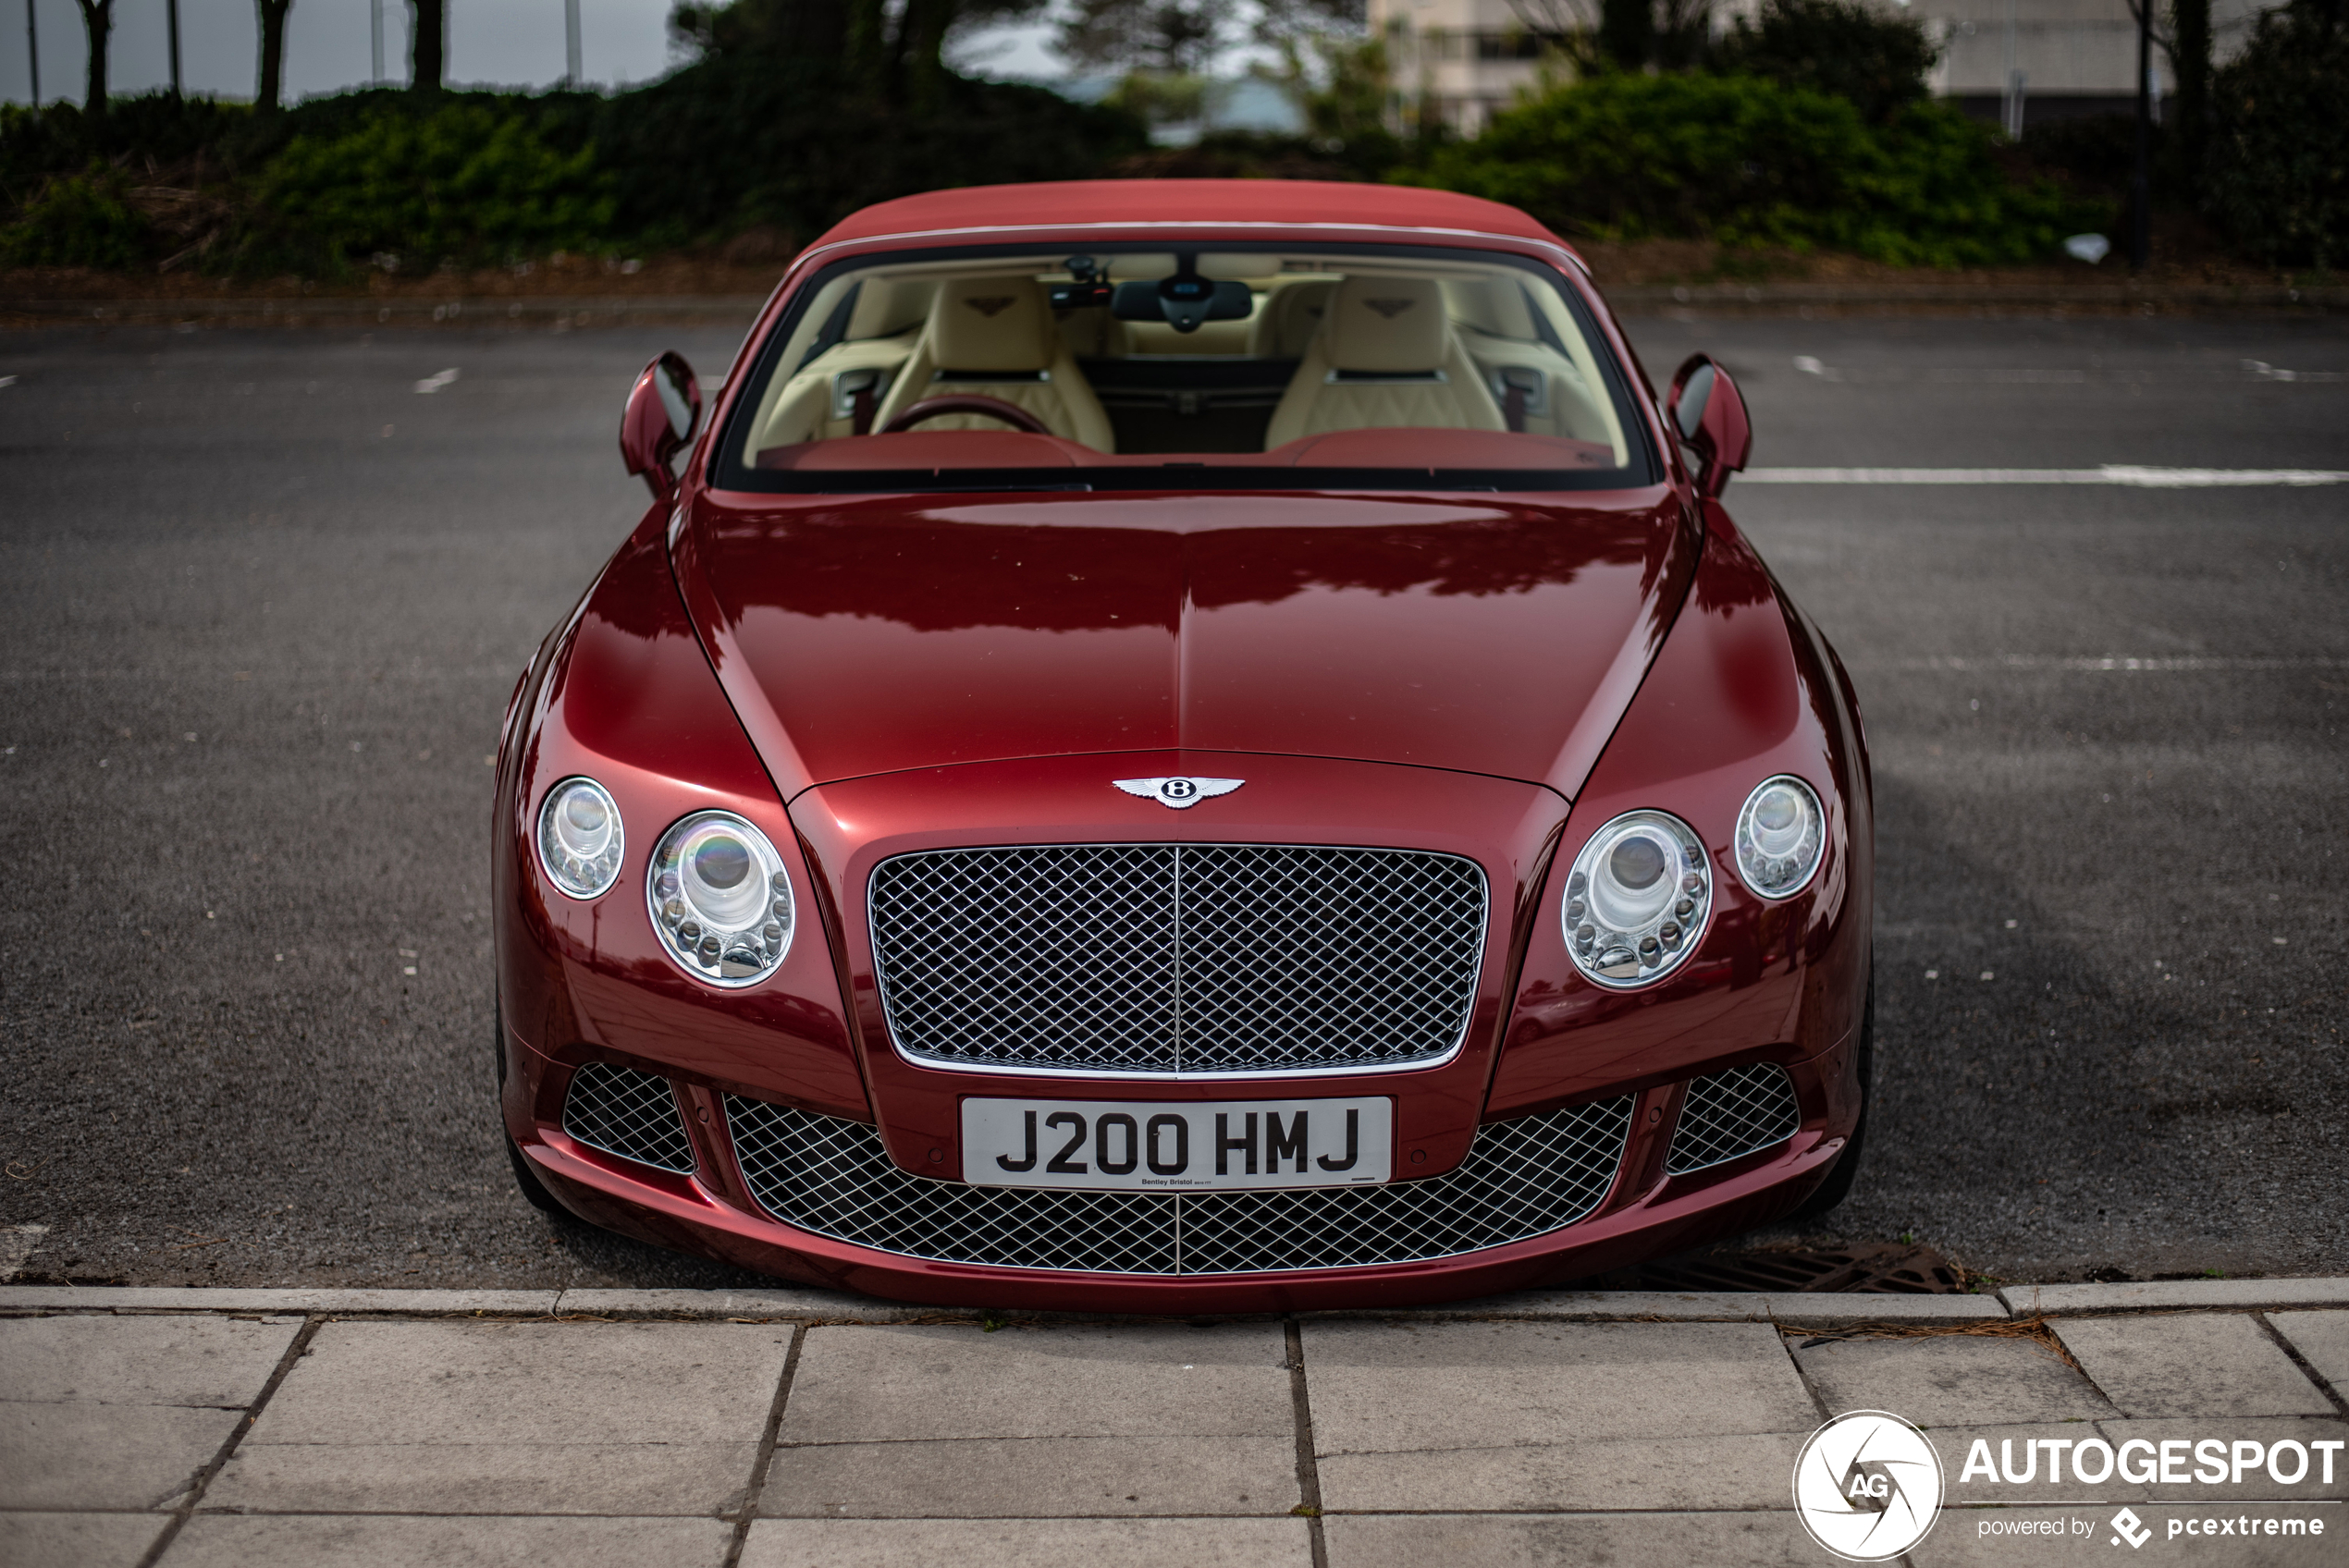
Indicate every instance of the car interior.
{"type": "Point", "coordinates": [1219, 356]}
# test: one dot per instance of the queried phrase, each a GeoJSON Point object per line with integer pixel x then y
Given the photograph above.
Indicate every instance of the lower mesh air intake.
{"type": "Point", "coordinates": [632, 1114]}
{"type": "Point", "coordinates": [1733, 1113]}
{"type": "Point", "coordinates": [1521, 1179]}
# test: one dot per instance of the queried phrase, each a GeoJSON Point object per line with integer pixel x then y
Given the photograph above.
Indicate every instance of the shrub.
{"type": "Point", "coordinates": [1247, 154]}
{"type": "Point", "coordinates": [2091, 153]}
{"type": "Point", "coordinates": [1750, 162]}
{"type": "Point", "coordinates": [2276, 176]}
{"type": "Point", "coordinates": [1844, 48]}
{"type": "Point", "coordinates": [467, 181]}
{"type": "Point", "coordinates": [152, 129]}
{"type": "Point", "coordinates": [746, 139]}
{"type": "Point", "coordinates": [758, 136]}
{"type": "Point", "coordinates": [78, 221]}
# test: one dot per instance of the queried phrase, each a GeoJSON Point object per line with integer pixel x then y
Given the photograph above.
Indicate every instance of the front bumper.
{"type": "Point", "coordinates": [1629, 1207]}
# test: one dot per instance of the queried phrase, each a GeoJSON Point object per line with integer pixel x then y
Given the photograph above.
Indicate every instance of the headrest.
{"type": "Point", "coordinates": [1384, 323]}
{"type": "Point", "coordinates": [1292, 313]}
{"type": "Point", "coordinates": [991, 324]}
{"type": "Point", "coordinates": [1495, 307]}
{"type": "Point", "coordinates": [886, 307]}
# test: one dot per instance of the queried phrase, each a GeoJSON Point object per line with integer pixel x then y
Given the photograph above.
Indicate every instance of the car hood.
{"type": "Point", "coordinates": [1492, 635]}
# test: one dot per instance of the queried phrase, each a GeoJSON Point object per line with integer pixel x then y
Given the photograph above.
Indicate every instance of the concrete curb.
{"type": "Point", "coordinates": [111, 1298]}
{"type": "Point", "coordinates": [1788, 1309]}
{"type": "Point", "coordinates": [821, 1305]}
{"type": "Point", "coordinates": [1830, 1311]}
{"type": "Point", "coordinates": [1824, 1309]}
{"type": "Point", "coordinates": [1819, 1311]}
{"type": "Point", "coordinates": [2174, 1296]}
{"type": "Point", "coordinates": [1593, 1306]}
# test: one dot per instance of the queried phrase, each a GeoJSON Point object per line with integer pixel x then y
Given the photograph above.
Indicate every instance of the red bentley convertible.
{"type": "Point", "coordinates": [1185, 746]}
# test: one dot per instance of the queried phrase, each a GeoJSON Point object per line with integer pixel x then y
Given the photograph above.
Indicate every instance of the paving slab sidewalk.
{"type": "Point", "coordinates": [382, 1428]}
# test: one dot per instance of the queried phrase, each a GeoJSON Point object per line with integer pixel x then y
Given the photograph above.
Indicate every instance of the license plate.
{"type": "Point", "coordinates": [1155, 1145]}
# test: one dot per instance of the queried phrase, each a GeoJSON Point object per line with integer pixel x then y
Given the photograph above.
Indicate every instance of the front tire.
{"type": "Point", "coordinates": [1831, 1193]}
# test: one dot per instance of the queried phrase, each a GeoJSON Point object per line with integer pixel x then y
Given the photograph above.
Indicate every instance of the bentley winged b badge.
{"type": "Point", "coordinates": [1179, 794]}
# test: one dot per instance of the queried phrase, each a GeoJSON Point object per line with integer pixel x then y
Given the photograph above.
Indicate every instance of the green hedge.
{"type": "Point", "coordinates": [466, 182]}
{"type": "Point", "coordinates": [1848, 49]}
{"type": "Point", "coordinates": [733, 142]}
{"type": "Point", "coordinates": [743, 139]}
{"type": "Point", "coordinates": [79, 220]}
{"type": "Point", "coordinates": [1753, 163]}
{"type": "Point", "coordinates": [2277, 178]}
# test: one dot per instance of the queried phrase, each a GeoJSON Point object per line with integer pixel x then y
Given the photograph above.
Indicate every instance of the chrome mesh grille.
{"type": "Point", "coordinates": [1732, 1113]}
{"type": "Point", "coordinates": [1522, 1178]}
{"type": "Point", "coordinates": [632, 1114]}
{"type": "Point", "coordinates": [1177, 958]}
{"type": "Point", "coordinates": [832, 1176]}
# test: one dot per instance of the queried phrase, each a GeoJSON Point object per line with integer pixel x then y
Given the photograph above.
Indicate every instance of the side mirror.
{"type": "Point", "coordinates": [664, 409]}
{"type": "Point", "coordinates": [1709, 411]}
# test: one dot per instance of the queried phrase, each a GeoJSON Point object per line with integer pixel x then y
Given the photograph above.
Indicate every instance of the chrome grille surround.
{"type": "Point", "coordinates": [632, 1114]}
{"type": "Point", "coordinates": [1521, 1179]}
{"type": "Point", "coordinates": [1732, 1113]}
{"type": "Point", "coordinates": [1178, 960]}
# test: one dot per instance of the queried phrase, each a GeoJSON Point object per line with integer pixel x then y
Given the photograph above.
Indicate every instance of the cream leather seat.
{"type": "Point", "coordinates": [1526, 374]}
{"type": "Point", "coordinates": [994, 337]}
{"type": "Point", "coordinates": [1291, 314]}
{"type": "Point", "coordinates": [1385, 357]}
{"type": "Point", "coordinates": [840, 389]}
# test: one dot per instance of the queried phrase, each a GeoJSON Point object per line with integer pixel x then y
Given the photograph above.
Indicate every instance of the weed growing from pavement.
{"type": "Point", "coordinates": [2036, 1327]}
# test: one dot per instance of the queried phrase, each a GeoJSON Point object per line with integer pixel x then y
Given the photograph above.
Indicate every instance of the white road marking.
{"type": "Point", "coordinates": [2127, 474]}
{"type": "Point", "coordinates": [2113, 662]}
{"type": "Point", "coordinates": [17, 1244]}
{"type": "Point", "coordinates": [436, 381]}
{"type": "Point", "coordinates": [7, 381]}
{"type": "Point", "coordinates": [1975, 375]}
{"type": "Point", "coordinates": [2260, 370]}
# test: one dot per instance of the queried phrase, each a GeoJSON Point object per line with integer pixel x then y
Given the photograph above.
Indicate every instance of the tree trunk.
{"type": "Point", "coordinates": [427, 44]}
{"type": "Point", "coordinates": [2190, 63]}
{"type": "Point", "coordinates": [866, 45]}
{"type": "Point", "coordinates": [97, 20]}
{"type": "Point", "coordinates": [1627, 31]}
{"type": "Point", "coordinates": [923, 49]}
{"type": "Point", "coordinates": [271, 88]}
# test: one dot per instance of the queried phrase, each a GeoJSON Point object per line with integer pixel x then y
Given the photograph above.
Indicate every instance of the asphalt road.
{"type": "Point", "coordinates": [262, 599]}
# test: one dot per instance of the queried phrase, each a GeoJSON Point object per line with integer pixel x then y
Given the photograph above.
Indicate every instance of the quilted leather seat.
{"type": "Point", "coordinates": [1387, 357]}
{"type": "Point", "coordinates": [994, 337]}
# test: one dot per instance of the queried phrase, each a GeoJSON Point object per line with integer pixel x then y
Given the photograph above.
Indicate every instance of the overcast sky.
{"type": "Point", "coordinates": [509, 43]}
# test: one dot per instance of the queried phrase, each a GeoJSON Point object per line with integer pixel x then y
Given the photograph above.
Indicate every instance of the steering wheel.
{"type": "Point", "coordinates": [966, 403]}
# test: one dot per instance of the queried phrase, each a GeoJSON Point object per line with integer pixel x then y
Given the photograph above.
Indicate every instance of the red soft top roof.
{"type": "Point", "coordinates": [1182, 200]}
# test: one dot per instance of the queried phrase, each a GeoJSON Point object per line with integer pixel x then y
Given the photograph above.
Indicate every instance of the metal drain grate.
{"type": "Point", "coordinates": [1733, 1113]}
{"type": "Point", "coordinates": [1523, 1178]}
{"type": "Point", "coordinates": [1888, 1268]}
{"type": "Point", "coordinates": [632, 1114]}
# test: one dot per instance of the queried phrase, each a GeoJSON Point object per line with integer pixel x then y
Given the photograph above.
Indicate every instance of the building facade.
{"type": "Point", "coordinates": [1459, 62]}
{"type": "Point", "coordinates": [1462, 61]}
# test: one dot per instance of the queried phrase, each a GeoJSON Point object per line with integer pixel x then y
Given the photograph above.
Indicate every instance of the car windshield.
{"type": "Point", "coordinates": [1350, 367]}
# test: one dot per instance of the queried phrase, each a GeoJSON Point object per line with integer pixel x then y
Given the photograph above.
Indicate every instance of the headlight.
{"type": "Point", "coordinates": [1637, 900]}
{"type": "Point", "coordinates": [579, 838]}
{"type": "Point", "coordinates": [720, 898]}
{"type": "Point", "coordinates": [1780, 835]}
